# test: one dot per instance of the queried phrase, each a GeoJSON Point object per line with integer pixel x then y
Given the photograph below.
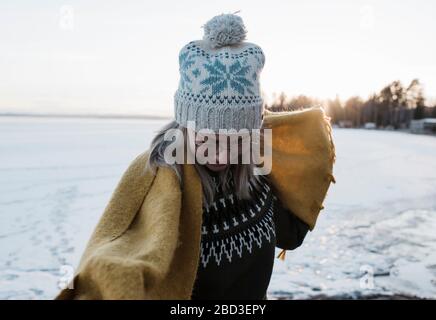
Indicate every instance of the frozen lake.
{"type": "Point", "coordinates": [376, 234]}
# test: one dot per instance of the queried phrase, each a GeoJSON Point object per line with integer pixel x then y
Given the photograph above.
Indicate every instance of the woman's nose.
{"type": "Point", "coordinates": [222, 157]}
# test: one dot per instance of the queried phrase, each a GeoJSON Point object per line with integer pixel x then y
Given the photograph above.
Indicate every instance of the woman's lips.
{"type": "Point", "coordinates": [217, 166]}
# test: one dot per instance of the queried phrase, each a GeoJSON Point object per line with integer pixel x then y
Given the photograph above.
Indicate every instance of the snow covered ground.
{"type": "Point", "coordinates": [376, 234]}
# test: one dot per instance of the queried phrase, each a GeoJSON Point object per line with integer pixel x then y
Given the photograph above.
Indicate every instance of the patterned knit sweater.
{"type": "Point", "coordinates": [238, 244]}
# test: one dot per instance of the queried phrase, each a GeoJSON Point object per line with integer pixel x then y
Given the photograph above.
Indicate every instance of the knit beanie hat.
{"type": "Point", "coordinates": [219, 78]}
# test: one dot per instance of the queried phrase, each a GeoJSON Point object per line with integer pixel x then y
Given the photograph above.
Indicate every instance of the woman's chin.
{"type": "Point", "coordinates": [216, 167]}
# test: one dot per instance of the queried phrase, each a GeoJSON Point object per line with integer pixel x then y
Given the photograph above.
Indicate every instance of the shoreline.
{"type": "Point", "coordinates": [84, 116]}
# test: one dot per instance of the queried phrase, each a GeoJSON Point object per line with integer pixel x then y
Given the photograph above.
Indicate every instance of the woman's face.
{"type": "Point", "coordinates": [222, 150]}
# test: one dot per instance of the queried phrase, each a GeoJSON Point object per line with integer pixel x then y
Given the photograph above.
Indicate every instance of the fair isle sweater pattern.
{"type": "Point", "coordinates": [234, 227]}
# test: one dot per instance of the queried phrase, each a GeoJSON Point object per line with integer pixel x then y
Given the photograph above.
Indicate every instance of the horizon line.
{"type": "Point", "coordinates": [85, 116]}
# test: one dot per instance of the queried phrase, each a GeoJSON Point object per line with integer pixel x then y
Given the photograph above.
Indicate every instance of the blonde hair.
{"type": "Point", "coordinates": [242, 174]}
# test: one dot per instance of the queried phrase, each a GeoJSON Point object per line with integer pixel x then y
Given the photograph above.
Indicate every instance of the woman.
{"type": "Point", "coordinates": [208, 229]}
{"type": "Point", "coordinates": [240, 213]}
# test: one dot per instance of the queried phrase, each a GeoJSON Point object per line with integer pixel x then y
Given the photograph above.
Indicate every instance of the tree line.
{"type": "Point", "coordinates": [394, 106]}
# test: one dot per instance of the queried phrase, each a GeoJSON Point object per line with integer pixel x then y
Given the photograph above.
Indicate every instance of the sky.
{"type": "Point", "coordinates": [121, 57]}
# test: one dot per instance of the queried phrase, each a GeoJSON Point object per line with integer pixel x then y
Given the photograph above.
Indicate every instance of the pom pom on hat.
{"type": "Point", "coordinates": [223, 30]}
